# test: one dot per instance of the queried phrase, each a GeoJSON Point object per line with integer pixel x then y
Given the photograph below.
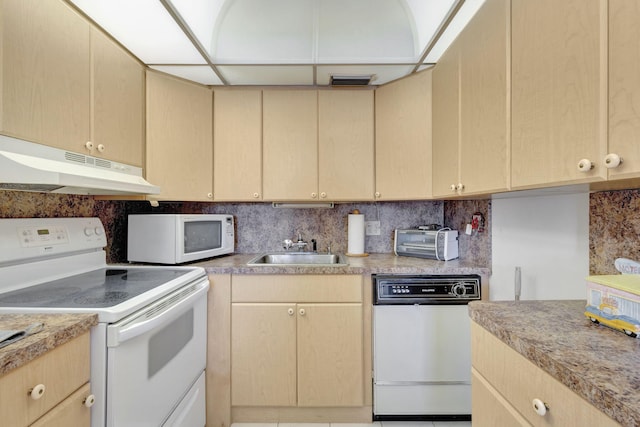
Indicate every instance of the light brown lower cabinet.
{"type": "Point", "coordinates": [505, 385]}
{"type": "Point", "coordinates": [298, 342]}
{"type": "Point", "coordinates": [64, 373]}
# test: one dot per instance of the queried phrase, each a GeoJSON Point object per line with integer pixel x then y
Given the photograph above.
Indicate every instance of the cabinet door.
{"type": "Point", "coordinates": [263, 354]}
{"type": "Point", "coordinates": [330, 360]}
{"type": "Point", "coordinates": [237, 145]}
{"type": "Point", "coordinates": [179, 138]}
{"type": "Point", "coordinates": [624, 87]}
{"type": "Point", "coordinates": [118, 102]}
{"type": "Point", "coordinates": [290, 144]}
{"type": "Point", "coordinates": [45, 73]}
{"type": "Point", "coordinates": [484, 100]}
{"type": "Point", "coordinates": [345, 145]}
{"type": "Point", "coordinates": [446, 122]}
{"type": "Point", "coordinates": [403, 139]}
{"type": "Point", "coordinates": [558, 91]}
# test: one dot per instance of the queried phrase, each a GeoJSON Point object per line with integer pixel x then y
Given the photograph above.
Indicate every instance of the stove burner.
{"type": "Point", "coordinates": [28, 295]}
{"type": "Point", "coordinates": [108, 298]}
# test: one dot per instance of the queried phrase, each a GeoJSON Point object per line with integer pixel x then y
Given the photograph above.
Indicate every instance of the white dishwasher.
{"type": "Point", "coordinates": [422, 346]}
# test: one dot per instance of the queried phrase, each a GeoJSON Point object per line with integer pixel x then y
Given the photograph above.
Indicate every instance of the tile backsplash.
{"type": "Point", "coordinates": [260, 227]}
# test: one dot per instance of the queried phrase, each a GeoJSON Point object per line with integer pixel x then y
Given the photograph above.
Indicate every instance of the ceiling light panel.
{"type": "Point", "coordinates": [264, 32]}
{"type": "Point", "coordinates": [202, 17]}
{"type": "Point", "coordinates": [267, 74]}
{"type": "Point", "coordinates": [365, 31]}
{"type": "Point", "coordinates": [462, 18]}
{"type": "Point", "coordinates": [427, 16]}
{"type": "Point", "coordinates": [202, 74]}
{"type": "Point", "coordinates": [145, 28]}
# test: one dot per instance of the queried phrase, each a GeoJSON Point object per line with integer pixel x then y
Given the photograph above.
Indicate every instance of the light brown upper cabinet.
{"type": "Point", "coordinates": [345, 145]}
{"type": "Point", "coordinates": [317, 145]}
{"type": "Point", "coordinates": [559, 92]}
{"type": "Point", "coordinates": [624, 90]}
{"type": "Point", "coordinates": [485, 101]}
{"type": "Point", "coordinates": [66, 85]}
{"type": "Point", "coordinates": [237, 145]}
{"type": "Point", "coordinates": [179, 138]}
{"type": "Point", "coordinates": [290, 145]}
{"type": "Point", "coordinates": [46, 71]}
{"type": "Point", "coordinates": [403, 139]}
{"type": "Point", "coordinates": [446, 123]}
{"type": "Point", "coordinates": [471, 107]}
{"type": "Point", "coordinates": [118, 102]}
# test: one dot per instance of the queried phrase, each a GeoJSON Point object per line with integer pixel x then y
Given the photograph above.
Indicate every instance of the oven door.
{"type": "Point", "coordinates": [155, 356]}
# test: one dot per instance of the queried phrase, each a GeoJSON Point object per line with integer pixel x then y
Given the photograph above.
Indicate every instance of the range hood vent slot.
{"type": "Point", "coordinates": [361, 80]}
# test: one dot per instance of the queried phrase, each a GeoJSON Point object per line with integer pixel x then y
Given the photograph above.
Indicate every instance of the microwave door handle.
{"type": "Point", "coordinates": [117, 335]}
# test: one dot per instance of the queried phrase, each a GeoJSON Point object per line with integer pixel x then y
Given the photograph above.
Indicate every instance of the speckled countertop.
{"type": "Point", "coordinates": [374, 263]}
{"type": "Point", "coordinates": [58, 329]}
{"type": "Point", "coordinates": [597, 363]}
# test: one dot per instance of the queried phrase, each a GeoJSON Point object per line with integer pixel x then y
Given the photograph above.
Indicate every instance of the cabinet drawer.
{"type": "Point", "coordinates": [62, 371]}
{"type": "Point", "coordinates": [71, 412]}
{"type": "Point", "coordinates": [489, 408]}
{"type": "Point", "coordinates": [519, 382]}
{"type": "Point", "coordinates": [296, 288]}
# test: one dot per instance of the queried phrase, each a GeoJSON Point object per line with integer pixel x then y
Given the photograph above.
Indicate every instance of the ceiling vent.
{"type": "Point", "coordinates": [362, 80]}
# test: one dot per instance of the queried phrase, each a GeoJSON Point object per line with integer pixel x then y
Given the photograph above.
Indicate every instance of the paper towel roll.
{"type": "Point", "coordinates": [355, 234]}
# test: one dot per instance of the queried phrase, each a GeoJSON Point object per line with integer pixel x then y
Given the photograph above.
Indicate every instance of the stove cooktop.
{"type": "Point", "coordinates": [105, 287]}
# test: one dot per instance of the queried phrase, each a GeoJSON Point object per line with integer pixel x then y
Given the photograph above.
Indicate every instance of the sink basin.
{"type": "Point", "coordinates": [299, 258]}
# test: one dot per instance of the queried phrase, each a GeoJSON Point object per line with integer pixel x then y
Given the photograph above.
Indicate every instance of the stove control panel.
{"type": "Point", "coordinates": [427, 289]}
{"type": "Point", "coordinates": [43, 236]}
{"type": "Point", "coordinates": [28, 238]}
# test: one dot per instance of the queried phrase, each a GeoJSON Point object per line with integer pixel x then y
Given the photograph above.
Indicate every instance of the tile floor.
{"type": "Point", "coordinates": [375, 424]}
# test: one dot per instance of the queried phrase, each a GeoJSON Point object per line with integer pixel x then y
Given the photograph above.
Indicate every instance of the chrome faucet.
{"type": "Point", "coordinates": [299, 245]}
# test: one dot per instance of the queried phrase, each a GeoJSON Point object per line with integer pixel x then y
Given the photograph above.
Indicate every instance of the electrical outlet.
{"type": "Point", "coordinates": [372, 228]}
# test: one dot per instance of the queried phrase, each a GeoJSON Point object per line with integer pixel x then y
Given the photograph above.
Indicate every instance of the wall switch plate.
{"type": "Point", "coordinates": [372, 228]}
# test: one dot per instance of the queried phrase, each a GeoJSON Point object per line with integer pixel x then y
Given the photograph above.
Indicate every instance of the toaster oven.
{"type": "Point", "coordinates": [439, 244]}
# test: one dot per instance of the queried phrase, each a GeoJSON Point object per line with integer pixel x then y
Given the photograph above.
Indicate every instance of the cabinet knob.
{"type": "Point", "coordinates": [460, 186]}
{"type": "Point", "coordinates": [585, 165]}
{"type": "Point", "coordinates": [314, 195]}
{"type": "Point", "coordinates": [323, 195]}
{"type": "Point", "coordinates": [290, 312]}
{"type": "Point", "coordinates": [37, 392]}
{"type": "Point", "coordinates": [302, 312]}
{"type": "Point", "coordinates": [377, 194]}
{"type": "Point", "coordinates": [210, 195]}
{"type": "Point", "coordinates": [612, 160]}
{"type": "Point", "coordinates": [256, 195]}
{"type": "Point", "coordinates": [88, 145]}
{"type": "Point", "coordinates": [89, 401]}
{"type": "Point", "coordinates": [453, 187]}
{"type": "Point", "coordinates": [101, 148]}
{"type": "Point", "coordinates": [540, 407]}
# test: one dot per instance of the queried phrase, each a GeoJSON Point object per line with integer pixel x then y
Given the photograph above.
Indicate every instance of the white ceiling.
{"type": "Point", "coordinates": [283, 42]}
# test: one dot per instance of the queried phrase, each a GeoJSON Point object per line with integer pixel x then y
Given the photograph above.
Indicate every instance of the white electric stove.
{"type": "Point", "coordinates": [148, 351]}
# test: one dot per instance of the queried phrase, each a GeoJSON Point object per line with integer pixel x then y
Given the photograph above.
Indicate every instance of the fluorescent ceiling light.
{"type": "Point", "coordinates": [283, 42]}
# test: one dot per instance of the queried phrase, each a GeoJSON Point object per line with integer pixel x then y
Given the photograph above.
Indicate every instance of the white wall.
{"type": "Point", "coordinates": [548, 237]}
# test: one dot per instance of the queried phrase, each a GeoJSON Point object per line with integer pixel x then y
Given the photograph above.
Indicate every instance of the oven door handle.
{"type": "Point", "coordinates": [156, 315]}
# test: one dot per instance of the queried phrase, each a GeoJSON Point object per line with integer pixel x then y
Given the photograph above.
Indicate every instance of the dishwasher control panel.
{"type": "Point", "coordinates": [425, 289]}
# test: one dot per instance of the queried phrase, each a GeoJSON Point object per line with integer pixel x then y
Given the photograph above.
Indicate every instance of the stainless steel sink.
{"type": "Point", "coordinates": [299, 258]}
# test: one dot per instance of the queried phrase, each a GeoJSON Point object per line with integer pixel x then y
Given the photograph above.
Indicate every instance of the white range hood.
{"type": "Point", "coordinates": [26, 166]}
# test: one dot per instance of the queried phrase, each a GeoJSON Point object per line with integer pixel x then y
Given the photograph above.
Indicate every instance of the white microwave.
{"type": "Point", "coordinates": [178, 238]}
